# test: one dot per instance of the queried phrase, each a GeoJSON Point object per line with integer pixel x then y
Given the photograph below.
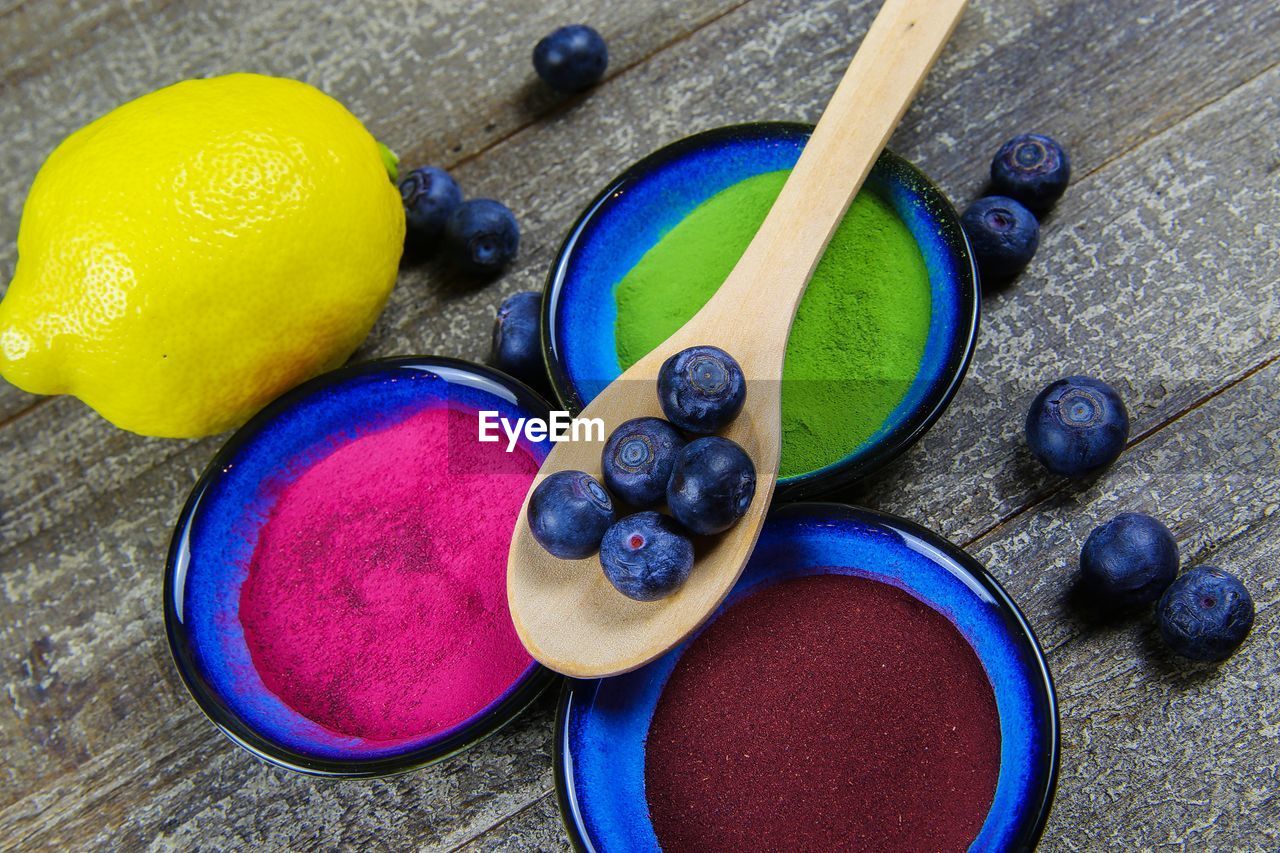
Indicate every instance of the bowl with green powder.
{"type": "Point", "coordinates": [881, 339]}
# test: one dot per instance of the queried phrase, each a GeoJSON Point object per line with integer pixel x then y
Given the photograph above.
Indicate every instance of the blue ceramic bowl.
{"type": "Point", "coordinates": [602, 725]}
{"type": "Point", "coordinates": [217, 532]}
{"type": "Point", "coordinates": [649, 199]}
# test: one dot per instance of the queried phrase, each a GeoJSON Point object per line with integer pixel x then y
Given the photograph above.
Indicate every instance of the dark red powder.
{"type": "Point", "coordinates": [375, 602]}
{"type": "Point", "coordinates": [824, 713]}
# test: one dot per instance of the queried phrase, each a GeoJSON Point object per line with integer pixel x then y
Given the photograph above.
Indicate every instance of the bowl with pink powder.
{"type": "Point", "coordinates": [335, 594]}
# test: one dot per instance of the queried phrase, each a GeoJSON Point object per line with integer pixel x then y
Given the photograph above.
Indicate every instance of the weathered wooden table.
{"type": "Point", "coordinates": [1158, 271]}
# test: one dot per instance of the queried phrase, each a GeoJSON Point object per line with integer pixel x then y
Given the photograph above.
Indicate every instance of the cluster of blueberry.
{"type": "Point", "coordinates": [1132, 562]}
{"type": "Point", "coordinates": [481, 235]}
{"type": "Point", "coordinates": [707, 482]}
{"type": "Point", "coordinates": [1029, 173]}
{"type": "Point", "coordinates": [1076, 427]}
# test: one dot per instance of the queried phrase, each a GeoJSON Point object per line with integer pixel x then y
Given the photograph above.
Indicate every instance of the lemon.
{"type": "Point", "coordinates": [194, 253]}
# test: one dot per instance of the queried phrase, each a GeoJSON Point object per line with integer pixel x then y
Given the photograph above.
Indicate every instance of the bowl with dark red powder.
{"type": "Point", "coordinates": [866, 686]}
{"type": "Point", "coordinates": [335, 595]}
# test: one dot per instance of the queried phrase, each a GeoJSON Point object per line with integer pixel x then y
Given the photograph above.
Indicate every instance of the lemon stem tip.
{"type": "Point", "coordinates": [391, 161]}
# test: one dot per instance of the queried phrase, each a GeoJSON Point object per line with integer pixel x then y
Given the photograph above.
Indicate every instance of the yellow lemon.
{"type": "Point", "coordinates": [194, 253]}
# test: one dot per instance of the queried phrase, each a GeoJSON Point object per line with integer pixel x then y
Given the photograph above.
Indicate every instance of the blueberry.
{"type": "Point", "coordinates": [1077, 426]}
{"type": "Point", "coordinates": [1032, 169]}
{"type": "Point", "coordinates": [569, 513]}
{"type": "Point", "coordinates": [517, 338]}
{"type": "Point", "coordinates": [429, 195]}
{"type": "Point", "coordinates": [638, 458]}
{"type": "Point", "coordinates": [701, 389]}
{"type": "Point", "coordinates": [646, 556]}
{"type": "Point", "coordinates": [1003, 235]}
{"type": "Point", "coordinates": [711, 486]}
{"type": "Point", "coordinates": [482, 235]}
{"type": "Point", "coordinates": [1205, 614]}
{"type": "Point", "coordinates": [572, 58]}
{"type": "Point", "coordinates": [1129, 561]}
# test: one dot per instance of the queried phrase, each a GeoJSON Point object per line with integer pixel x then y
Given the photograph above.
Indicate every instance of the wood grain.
{"type": "Point", "coordinates": [1159, 269]}
{"type": "Point", "coordinates": [534, 827]}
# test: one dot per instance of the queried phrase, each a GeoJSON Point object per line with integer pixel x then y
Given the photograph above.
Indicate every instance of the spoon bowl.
{"type": "Point", "coordinates": [570, 616]}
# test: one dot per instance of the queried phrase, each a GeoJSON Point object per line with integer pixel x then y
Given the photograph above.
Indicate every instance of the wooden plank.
{"type": "Point", "coordinates": [1158, 751]}
{"type": "Point", "coordinates": [1163, 754]}
{"type": "Point", "coordinates": [1157, 274]}
{"type": "Point", "coordinates": [534, 827]}
{"type": "Point", "coordinates": [184, 786]}
{"type": "Point", "coordinates": [1202, 475]}
{"type": "Point", "coordinates": [437, 81]}
{"type": "Point", "coordinates": [80, 580]}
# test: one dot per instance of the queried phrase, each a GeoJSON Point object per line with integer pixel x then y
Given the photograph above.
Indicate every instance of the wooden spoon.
{"type": "Point", "coordinates": [566, 612]}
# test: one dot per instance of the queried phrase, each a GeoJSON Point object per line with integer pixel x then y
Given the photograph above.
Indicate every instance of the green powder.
{"type": "Point", "coordinates": [859, 334]}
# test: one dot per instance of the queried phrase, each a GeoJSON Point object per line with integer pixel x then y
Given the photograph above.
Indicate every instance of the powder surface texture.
{"type": "Point", "coordinates": [824, 713]}
{"type": "Point", "coordinates": [859, 333]}
{"type": "Point", "coordinates": [375, 602]}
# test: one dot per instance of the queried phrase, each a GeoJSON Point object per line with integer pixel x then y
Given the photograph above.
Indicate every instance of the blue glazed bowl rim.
{"type": "Point", "coordinates": [901, 437]}
{"type": "Point", "coordinates": [1037, 813]}
{"type": "Point", "coordinates": [527, 689]}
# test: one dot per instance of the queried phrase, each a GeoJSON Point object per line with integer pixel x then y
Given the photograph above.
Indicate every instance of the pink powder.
{"type": "Point", "coordinates": [376, 602]}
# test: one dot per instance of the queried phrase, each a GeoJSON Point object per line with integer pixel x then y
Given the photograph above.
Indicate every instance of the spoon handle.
{"type": "Point", "coordinates": [881, 81]}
